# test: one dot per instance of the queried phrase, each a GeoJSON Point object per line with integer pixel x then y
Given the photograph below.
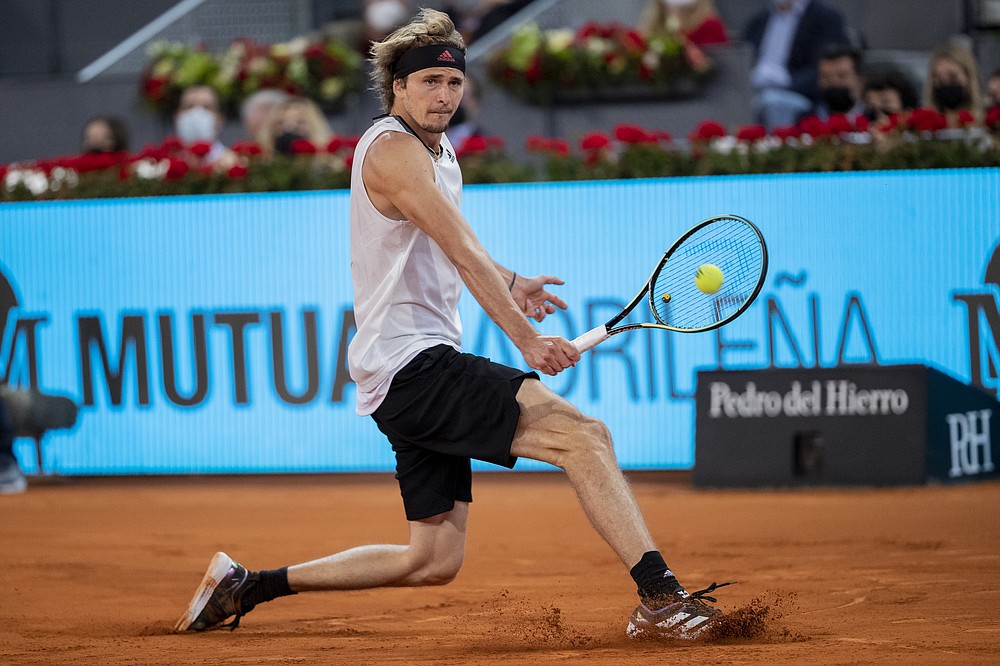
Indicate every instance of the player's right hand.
{"type": "Point", "coordinates": [550, 354]}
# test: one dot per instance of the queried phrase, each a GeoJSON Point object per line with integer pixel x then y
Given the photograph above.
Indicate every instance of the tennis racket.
{"type": "Point", "coordinates": [707, 278]}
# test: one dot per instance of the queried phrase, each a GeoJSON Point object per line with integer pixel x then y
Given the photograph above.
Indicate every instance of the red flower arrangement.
{"type": "Point", "coordinates": [595, 61]}
{"type": "Point", "coordinates": [324, 71]}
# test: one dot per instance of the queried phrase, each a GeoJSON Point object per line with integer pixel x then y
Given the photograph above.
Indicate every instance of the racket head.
{"type": "Point", "coordinates": [730, 242]}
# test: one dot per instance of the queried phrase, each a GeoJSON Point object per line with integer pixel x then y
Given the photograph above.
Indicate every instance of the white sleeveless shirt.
{"type": "Point", "coordinates": [406, 290]}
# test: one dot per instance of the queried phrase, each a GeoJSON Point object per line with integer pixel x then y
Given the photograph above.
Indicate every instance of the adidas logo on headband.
{"type": "Point", "coordinates": [446, 56]}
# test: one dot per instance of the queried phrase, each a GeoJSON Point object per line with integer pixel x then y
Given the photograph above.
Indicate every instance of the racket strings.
{"type": "Point", "coordinates": [728, 243]}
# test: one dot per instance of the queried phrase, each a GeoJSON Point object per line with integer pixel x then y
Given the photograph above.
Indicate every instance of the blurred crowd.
{"type": "Point", "coordinates": [806, 63]}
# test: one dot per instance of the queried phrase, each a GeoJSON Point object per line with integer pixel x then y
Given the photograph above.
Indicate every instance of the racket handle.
{"type": "Point", "coordinates": [591, 338]}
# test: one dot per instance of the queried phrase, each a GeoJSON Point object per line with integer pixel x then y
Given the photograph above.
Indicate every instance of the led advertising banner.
{"type": "Point", "coordinates": [208, 334]}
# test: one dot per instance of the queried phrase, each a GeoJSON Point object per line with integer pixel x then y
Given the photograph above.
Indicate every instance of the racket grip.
{"type": "Point", "coordinates": [591, 338]}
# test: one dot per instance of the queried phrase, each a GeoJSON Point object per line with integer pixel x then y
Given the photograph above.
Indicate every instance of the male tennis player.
{"type": "Point", "coordinates": [411, 252]}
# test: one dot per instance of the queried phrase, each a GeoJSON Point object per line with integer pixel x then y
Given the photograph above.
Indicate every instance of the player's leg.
{"type": "Point", "coordinates": [433, 556]}
{"type": "Point", "coordinates": [552, 430]}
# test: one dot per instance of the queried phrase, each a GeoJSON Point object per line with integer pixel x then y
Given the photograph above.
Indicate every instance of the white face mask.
{"type": "Point", "coordinates": [196, 124]}
{"type": "Point", "coordinates": [385, 15]}
{"type": "Point", "coordinates": [678, 3]}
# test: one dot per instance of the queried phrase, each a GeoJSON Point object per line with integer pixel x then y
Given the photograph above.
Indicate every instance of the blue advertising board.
{"type": "Point", "coordinates": [208, 334]}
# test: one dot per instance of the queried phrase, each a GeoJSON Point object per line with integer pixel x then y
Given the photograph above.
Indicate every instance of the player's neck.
{"type": "Point", "coordinates": [431, 140]}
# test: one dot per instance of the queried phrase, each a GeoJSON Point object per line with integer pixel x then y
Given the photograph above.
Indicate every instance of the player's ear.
{"type": "Point", "coordinates": [398, 85]}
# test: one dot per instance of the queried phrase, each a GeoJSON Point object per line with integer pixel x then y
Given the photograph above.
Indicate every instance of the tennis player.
{"type": "Point", "coordinates": [411, 253]}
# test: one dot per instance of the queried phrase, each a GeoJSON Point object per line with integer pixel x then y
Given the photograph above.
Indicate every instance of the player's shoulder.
{"type": "Point", "coordinates": [394, 153]}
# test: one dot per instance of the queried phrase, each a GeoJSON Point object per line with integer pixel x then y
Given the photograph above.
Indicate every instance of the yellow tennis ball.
{"type": "Point", "coordinates": [708, 278]}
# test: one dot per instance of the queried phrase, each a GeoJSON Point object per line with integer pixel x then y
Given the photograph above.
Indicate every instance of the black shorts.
{"type": "Point", "coordinates": [444, 408]}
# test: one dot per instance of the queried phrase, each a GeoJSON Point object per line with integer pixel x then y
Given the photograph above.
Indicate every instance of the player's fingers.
{"type": "Point", "coordinates": [551, 279]}
{"type": "Point", "coordinates": [555, 300]}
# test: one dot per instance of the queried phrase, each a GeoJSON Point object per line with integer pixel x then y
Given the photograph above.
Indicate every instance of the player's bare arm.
{"type": "Point", "coordinates": [530, 294]}
{"type": "Point", "coordinates": [399, 178]}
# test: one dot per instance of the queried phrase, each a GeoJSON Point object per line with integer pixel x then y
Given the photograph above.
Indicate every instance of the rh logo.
{"type": "Point", "coordinates": [969, 434]}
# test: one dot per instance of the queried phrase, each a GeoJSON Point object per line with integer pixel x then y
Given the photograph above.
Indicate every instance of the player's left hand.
{"type": "Point", "coordinates": [534, 299]}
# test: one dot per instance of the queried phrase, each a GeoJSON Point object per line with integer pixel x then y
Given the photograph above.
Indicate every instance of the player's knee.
{"type": "Point", "coordinates": [441, 571]}
{"type": "Point", "coordinates": [592, 440]}
{"type": "Point", "coordinates": [437, 566]}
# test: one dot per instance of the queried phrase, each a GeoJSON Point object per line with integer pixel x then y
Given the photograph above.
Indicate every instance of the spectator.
{"type": "Point", "coordinates": [887, 93]}
{"type": "Point", "coordinates": [198, 121]}
{"type": "Point", "coordinates": [841, 86]}
{"type": "Point", "coordinates": [104, 134]}
{"type": "Point", "coordinates": [788, 38]}
{"type": "Point", "coordinates": [993, 90]}
{"type": "Point", "coordinates": [295, 119]}
{"type": "Point", "coordinates": [255, 110]}
{"type": "Point", "coordinates": [697, 20]}
{"type": "Point", "coordinates": [952, 83]}
{"type": "Point", "coordinates": [383, 16]}
{"type": "Point", "coordinates": [27, 414]}
{"type": "Point", "coordinates": [464, 122]}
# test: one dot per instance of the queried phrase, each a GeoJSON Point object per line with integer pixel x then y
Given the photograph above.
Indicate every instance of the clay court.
{"type": "Point", "coordinates": [96, 571]}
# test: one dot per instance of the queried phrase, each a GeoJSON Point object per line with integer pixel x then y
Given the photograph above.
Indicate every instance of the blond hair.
{"type": "Point", "coordinates": [428, 27]}
{"type": "Point", "coordinates": [963, 57]}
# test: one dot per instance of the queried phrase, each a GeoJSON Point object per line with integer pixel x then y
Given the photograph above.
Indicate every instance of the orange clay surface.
{"type": "Point", "coordinates": [96, 571]}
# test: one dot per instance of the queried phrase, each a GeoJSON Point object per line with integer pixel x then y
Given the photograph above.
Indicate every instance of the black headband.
{"type": "Point", "coordinates": [424, 57]}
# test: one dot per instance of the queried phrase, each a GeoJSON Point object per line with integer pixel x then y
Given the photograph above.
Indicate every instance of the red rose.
{"type": "Point", "coordinates": [709, 130]}
{"type": "Point", "coordinates": [303, 147]}
{"type": "Point", "coordinates": [861, 124]}
{"type": "Point", "coordinates": [785, 132]}
{"type": "Point", "coordinates": [237, 171]}
{"type": "Point", "coordinates": [3, 172]}
{"type": "Point", "coordinates": [172, 144]}
{"type": "Point", "coordinates": [751, 133]}
{"type": "Point", "coordinates": [534, 72]}
{"type": "Point", "coordinates": [839, 124]}
{"type": "Point", "coordinates": [664, 136]}
{"type": "Point", "coordinates": [200, 148]}
{"type": "Point", "coordinates": [473, 144]}
{"type": "Point", "coordinates": [177, 169]}
{"type": "Point", "coordinates": [559, 146]}
{"type": "Point", "coordinates": [494, 141]}
{"type": "Point", "coordinates": [927, 120]}
{"type": "Point", "coordinates": [965, 118]}
{"type": "Point", "coordinates": [154, 88]}
{"type": "Point", "coordinates": [633, 42]}
{"type": "Point", "coordinates": [123, 172]}
{"type": "Point", "coordinates": [633, 134]}
{"type": "Point", "coordinates": [993, 118]}
{"type": "Point", "coordinates": [595, 141]}
{"type": "Point", "coordinates": [814, 127]}
{"type": "Point", "coordinates": [314, 51]}
{"type": "Point", "coordinates": [248, 148]}
{"type": "Point", "coordinates": [589, 30]}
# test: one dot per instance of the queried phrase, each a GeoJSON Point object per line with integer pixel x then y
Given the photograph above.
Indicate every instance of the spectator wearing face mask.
{"type": "Point", "coordinates": [104, 134]}
{"type": "Point", "coordinates": [256, 109]}
{"type": "Point", "coordinates": [295, 120]}
{"type": "Point", "coordinates": [952, 83]}
{"type": "Point", "coordinates": [383, 16]}
{"type": "Point", "coordinates": [888, 93]}
{"type": "Point", "coordinates": [697, 20]}
{"type": "Point", "coordinates": [198, 121]}
{"type": "Point", "coordinates": [788, 38]}
{"type": "Point", "coordinates": [841, 86]}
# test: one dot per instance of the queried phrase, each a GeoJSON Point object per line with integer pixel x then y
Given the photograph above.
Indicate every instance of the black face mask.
{"type": "Point", "coordinates": [838, 99]}
{"type": "Point", "coordinates": [283, 142]}
{"type": "Point", "coordinates": [950, 96]}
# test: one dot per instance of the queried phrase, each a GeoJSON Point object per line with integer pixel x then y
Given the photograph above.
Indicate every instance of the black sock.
{"type": "Point", "coordinates": [271, 584]}
{"type": "Point", "coordinates": [655, 579]}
